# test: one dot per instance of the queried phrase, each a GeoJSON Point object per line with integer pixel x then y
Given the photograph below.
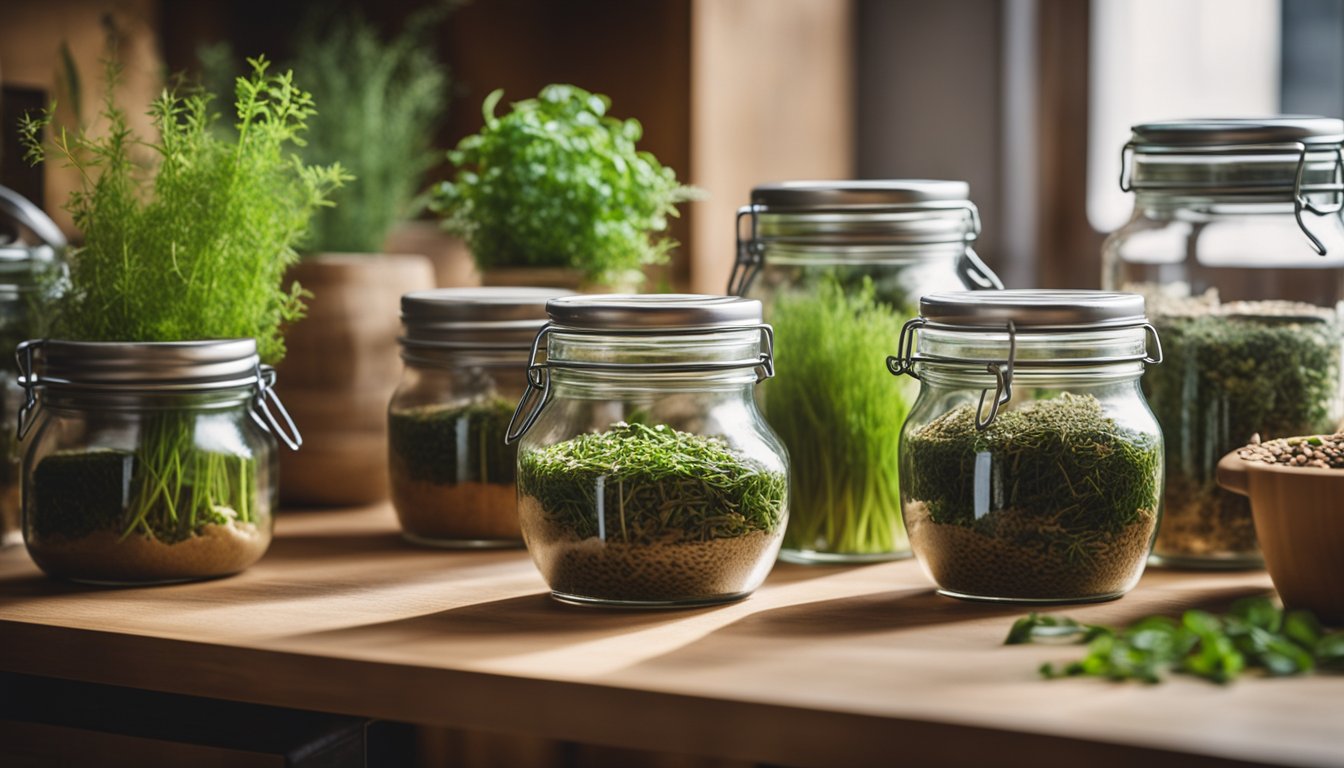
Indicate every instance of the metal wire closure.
{"type": "Point", "coordinates": [1300, 190]}
{"type": "Point", "coordinates": [263, 379]}
{"type": "Point", "coordinates": [903, 362]}
{"type": "Point", "coordinates": [538, 392]}
{"type": "Point", "coordinates": [751, 250]}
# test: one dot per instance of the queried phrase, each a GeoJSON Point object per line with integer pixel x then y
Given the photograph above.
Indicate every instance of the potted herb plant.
{"type": "Point", "coordinates": [555, 193]}
{"type": "Point", "coordinates": [149, 457]}
{"type": "Point", "coordinates": [385, 96]}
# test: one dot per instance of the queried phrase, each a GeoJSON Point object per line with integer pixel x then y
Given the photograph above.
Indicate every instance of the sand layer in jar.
{"type": "Point", "coordinates": [107, 556]}
{"type": "Point", "coordinates": [456, 511]}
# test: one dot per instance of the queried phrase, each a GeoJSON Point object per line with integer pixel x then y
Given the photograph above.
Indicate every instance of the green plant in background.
{"type": "Point", "coordinates": [645, 484]}
{"type": "Point", "coordinates": [840, 413]}
{"type": "Point", "coordinates": [189, 242]}
{"type": "Point", "coordinates": [557, 182]}
{"type": "Point", "coordinates": [383, 99]}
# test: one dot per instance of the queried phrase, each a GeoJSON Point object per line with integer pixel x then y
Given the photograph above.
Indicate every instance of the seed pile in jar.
{"type": "Point", "coordinates": [1232, 370]}
{"type": "Point", "coordinates": [1054, 500]}
{"type": "Point", "coordinates": [648, 513]}
{"type": "Point", "coordinates": [1319, 451]}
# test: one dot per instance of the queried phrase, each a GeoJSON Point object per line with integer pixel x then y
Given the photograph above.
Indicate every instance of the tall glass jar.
{"type": "Point", "coordinates": [1236, 240]}
{"type": "Point", "coordinates": [148, 463]}
{"type": "Point", "coordinates": [30, 278]}
{"type": "Point", "coordinates": [465, 351]}
{"type": "Point", "coordinates": [647, 476]}
{"type": "Point", "coordinates": [1031, 466]}
{"type": "Point", "coordinates": [840, 266]}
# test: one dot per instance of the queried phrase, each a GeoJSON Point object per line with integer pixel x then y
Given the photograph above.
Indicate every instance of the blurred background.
{"type": "Point", "coordinates": [1028, 100]}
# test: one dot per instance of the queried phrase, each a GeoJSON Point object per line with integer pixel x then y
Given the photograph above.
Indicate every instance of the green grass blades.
{"type": "Point", "coordinates": [839, 412]}
{"type": "Point", "coordinates": [652, 484]}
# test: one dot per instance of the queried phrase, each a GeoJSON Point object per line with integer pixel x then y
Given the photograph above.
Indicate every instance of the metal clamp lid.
{"type": "Point", "coordinates": [21, 210]}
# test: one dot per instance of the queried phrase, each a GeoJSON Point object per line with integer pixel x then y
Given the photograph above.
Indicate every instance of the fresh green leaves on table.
{"type": "Point", "coordinates": [1254, 635]}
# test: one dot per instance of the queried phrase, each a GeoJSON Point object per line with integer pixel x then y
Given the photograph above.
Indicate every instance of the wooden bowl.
{"type": "Point", "coordinates": [1299, 520]}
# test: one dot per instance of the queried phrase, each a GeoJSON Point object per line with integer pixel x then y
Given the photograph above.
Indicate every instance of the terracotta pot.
{"type": "Point", "coordinates": [453, 264]}
{"type": "Point", "coordinates": [1299, 520]}
{"type": "Point", "coordinates": [339, 374]}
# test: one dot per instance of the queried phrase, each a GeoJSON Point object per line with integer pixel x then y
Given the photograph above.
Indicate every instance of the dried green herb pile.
{"type": "Point", "coordinates": [642, 484]}
{"type": "Point", "coordinates": [840, 415]}
{"type": "Point", "coordinates": [1069, 511]}
{"type": "Point", "coordinates": [1232, 371]}
{"type": "Point", "coordinates": [1318, 451]}
{"type": "Point", "coordinates": [449, 445]}
{"type": "Point", "coordinates": [1255, 635]}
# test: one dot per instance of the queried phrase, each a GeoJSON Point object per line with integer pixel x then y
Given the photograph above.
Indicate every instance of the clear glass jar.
{"type": "Point", "coordinates": [839, 267]}
{"type": "Point", "coordinates": [465, 351]}
{"type": "Point", "coordinates": [1237, 242]}
{"type": "Point", "coordinates": [31, 276]}
{"type": "Point", "coordinates": [647, 476]}
{"type": "Point", "coordinates": [1031, 466]}
{"type": "Point", "coordinates": [148, 463]}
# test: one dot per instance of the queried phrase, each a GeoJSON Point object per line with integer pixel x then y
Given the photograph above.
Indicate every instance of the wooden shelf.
{"type": "Point", "coordinates": [823, 666]}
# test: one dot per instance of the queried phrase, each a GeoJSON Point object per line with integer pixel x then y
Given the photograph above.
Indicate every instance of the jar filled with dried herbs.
{"type": "Point", "coordinates": [452, 474]}
{"type": "Point", "coordinates": [1237, 242]}
{"type": "Point", "coordinates": [840, 266]}
{"type": "Point", "coordinates": [647, 476]}
{"type": "Point", "coordinates": [1031, 466]}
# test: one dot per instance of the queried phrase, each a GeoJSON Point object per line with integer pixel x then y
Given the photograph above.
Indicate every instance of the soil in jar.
{"type": "Point", "coordinates": [452, 474]}
{"type": "Point", "coordinates": [1232, 371]}
{"type": "Point", "coordinates": [840, 417]}
{"type": "Point", "coordinates": [1054, 501]}
{"type": "Point", "coordinates": [650, 514]}
{"type": "Point", "coordinates": [153, 515]}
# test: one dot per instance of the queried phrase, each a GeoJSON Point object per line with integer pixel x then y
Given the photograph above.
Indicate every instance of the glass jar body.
{"type": "Point", "coordinates": [835, 311]}
{"type": "Point", "coordinates": [1056, 501]}
{"type": "Point", "coordinates": [1249, 316]}
{"type": "Point", "coordinates": [652, 489]}
{"type": "Point", "coordinates": [149, 487]}
{"type": "Point", "coordinates": [453, 477]}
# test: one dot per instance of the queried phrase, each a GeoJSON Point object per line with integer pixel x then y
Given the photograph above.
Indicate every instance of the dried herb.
{"type": "Point", "coordinates": [645, 484]}
{"type": "Point", "coordinates": [840, 415]}
{"type": "Point", "coordinates": [446, 445]}
{"type": "Point", "coordinates": [1254, 635]}
{"type": "Point", "coordinates": [1233, 371]}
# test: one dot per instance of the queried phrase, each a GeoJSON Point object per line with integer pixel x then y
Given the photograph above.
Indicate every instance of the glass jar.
{"type": "Point", "coordinates": [647, 476]}
{"type": "Point", "coordinates": [30, 278]}
{"type": "Point", "coordinates": [1031, 466]}
{"type": "Point", "coordinates": [840, 266]}
{"type": "Point", "coordinates": [1237, 242]}
{"type": "Point", "coordinates": [148, 463]}
{"type": "Point", "coordinates": [465, 351]}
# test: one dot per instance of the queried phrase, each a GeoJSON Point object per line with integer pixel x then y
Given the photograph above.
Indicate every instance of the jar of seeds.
{"type": "Point", "coordinates": [647, 476]}
{"type": "Point", "coordinates": [465, 350]}
{"type": "Point", "coordinates": [1237, 242]}
{"type": "Point", "coordinates": [1031, 467]}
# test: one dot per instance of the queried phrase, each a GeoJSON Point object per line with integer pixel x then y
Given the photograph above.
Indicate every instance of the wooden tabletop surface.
{"type": "Point", "coordinates": [823, 666]}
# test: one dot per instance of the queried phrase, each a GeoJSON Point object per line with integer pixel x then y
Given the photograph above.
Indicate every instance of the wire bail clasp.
{"type": "Point", "coordinates": [1301, 201]}
{"type": "Point", "coordinates": [262, 413]}
{"type": "Point", "coordinates": [750, 253]}
{"type": "Point", "coordinates": [23, 355]}
{"type": "Point", "coordinates": [1003, 383]}
{"type": "Point", "coordinates": [903, 362]}
{"type": "Point", "coordinates": [537, 394]}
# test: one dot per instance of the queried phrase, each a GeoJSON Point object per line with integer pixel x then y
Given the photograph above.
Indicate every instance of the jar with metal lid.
{"type": "Point", "coordinates": [1031, 466]}
{"type": "Point", "coordinates": [465, 352]}
{"type": "Point", "coordinates": [31, 276]}
{"type": "Point", "coordinates": [840, 265]}
{"type": "Point", "coordinates": [1237, 242]}
{"type": "Point", "coordinates": [647, 476]}
{"type": "Point", "coordinates": [151, 462]}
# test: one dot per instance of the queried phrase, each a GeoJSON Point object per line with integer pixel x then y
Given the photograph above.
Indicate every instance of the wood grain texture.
{"type": "Point", "coordinates": [823, 666]}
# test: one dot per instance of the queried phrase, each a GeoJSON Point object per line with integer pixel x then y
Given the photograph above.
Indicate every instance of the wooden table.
{"type": "Point", "coordinates": [823, 666]}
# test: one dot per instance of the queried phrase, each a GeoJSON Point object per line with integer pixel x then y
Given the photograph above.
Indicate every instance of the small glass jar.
{"type": "Point", "coordinates": [465, 351]}
{"type": "Point", "coordinates": [1031, 466]}
{"type": "Point", "coordinates": [1237, 242]}
{"type": "Point", "coordinates": [647, 476]}
{"type": "Point", "coordinates": [839, 267]}
{"type": "Point", "coordinates": [148, 463]}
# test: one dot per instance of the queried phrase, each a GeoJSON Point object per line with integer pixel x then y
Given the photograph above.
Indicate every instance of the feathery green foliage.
{"type": "Point", "coordinates": [840, 413]}
{"type": "Point", "coordinates": [446, 446]}
{"type": "Point", "coordinates": [195, 243]}
{"type": "Point", "coordinates": [382, 99]}
{"type": "Point", "coordinates": [652, 484]}
{"type": "Point", "coordinates": [557, 182]}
